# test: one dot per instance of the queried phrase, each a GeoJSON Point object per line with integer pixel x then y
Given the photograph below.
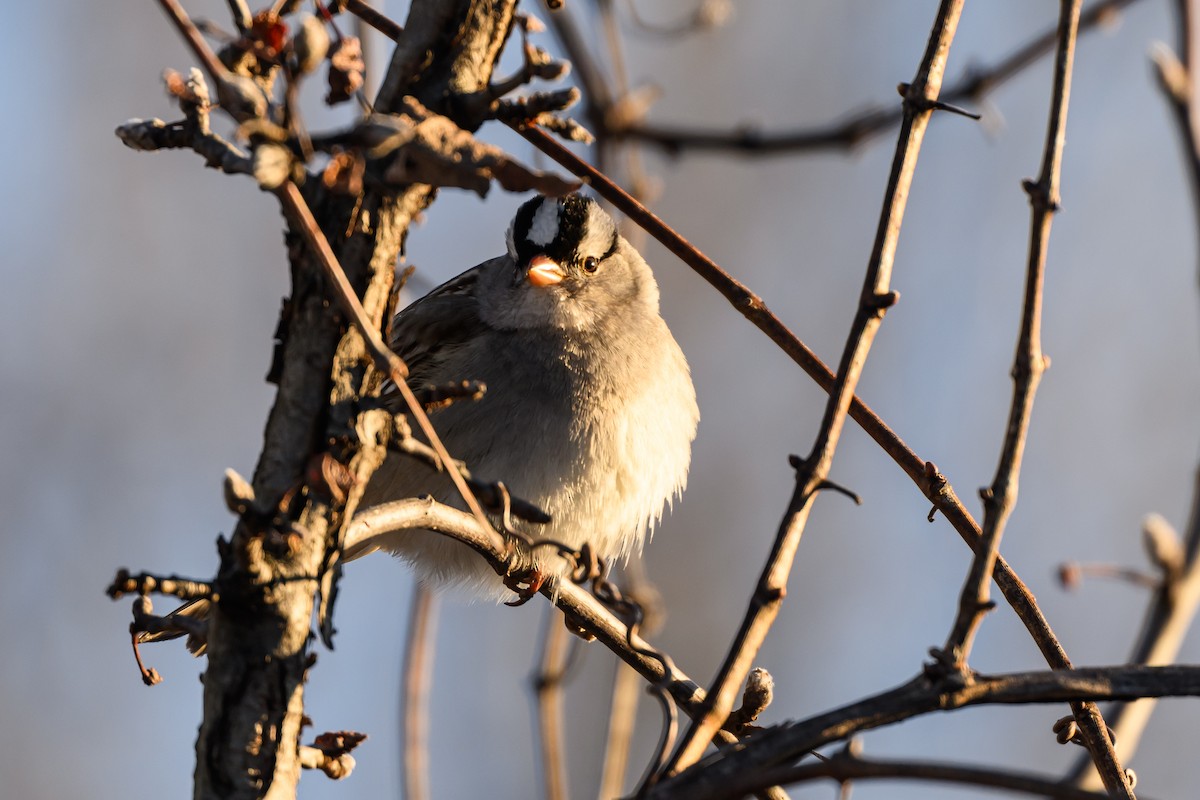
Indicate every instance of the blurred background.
{"type": "Point", "coordinates": [142, 292]}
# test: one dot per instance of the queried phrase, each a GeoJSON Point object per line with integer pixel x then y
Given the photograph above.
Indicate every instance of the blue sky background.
{"type": "Point", "coordinates": [142, 292]}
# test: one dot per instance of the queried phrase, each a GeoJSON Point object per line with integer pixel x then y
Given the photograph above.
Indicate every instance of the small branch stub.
{"type": "Point", "coordinates": [760, 690]}
{"type": "Point", "coordinates": [330, 753]}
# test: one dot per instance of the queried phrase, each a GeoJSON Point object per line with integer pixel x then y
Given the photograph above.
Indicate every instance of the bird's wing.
{"type": "Point", "coordinates": [429, 329]}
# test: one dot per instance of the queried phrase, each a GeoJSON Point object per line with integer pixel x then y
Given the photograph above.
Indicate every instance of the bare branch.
{"type": "Point", "coordinates": [925, 474]}
{"type": "Point", "coordinates": [876, 297]}
{"type": "Point", "coordinates": [1001, 498]}
{"type": "Point", "coordinates": [747, 140]}
{"type": "Point", "coordinates": [582, 609]}
{"type": "Point", "coordinates": [1030, 363]}
{"type": "Point", "coordinates": [784, 744]}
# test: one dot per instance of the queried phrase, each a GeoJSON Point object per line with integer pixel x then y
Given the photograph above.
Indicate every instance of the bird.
{"type": "Point", "coordinates": [589, 411]}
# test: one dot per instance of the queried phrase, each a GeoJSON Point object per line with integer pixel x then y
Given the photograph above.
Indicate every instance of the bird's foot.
{"type": "Point", "coordinates": [525, 584]}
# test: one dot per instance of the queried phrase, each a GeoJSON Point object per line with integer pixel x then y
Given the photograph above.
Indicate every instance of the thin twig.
{"type": "Point", "coordinates": [548, 701]}
{"type": "Point", "coordinates": [1000, 499]}
{"type": "Point", "coordinates": [419, 648]}
{"type": "Point", "coordinates": [875, 299]}
{"type": "Point", "coordinates": [1029, 364]}
{"type": "Point", "coordinates": [857, 129]}
{"type": "Point", "coordinates": [385, 360]}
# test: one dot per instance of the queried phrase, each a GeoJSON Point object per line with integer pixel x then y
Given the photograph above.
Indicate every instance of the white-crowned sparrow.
{"type": "Point", "coordinates": [589, 411]}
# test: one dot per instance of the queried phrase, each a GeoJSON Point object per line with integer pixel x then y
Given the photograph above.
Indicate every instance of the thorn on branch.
{"type": "Point", "coordinates": [828, 484]}
{"type": "Point", "coordinates": [922, 103]}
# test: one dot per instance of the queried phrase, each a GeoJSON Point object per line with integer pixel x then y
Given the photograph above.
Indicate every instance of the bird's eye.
{"type": "Point", "coordinates": [591, 264]}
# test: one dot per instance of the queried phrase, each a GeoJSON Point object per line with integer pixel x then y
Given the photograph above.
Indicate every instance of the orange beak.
{"type": "Point", "coordinates": [544, 271]}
